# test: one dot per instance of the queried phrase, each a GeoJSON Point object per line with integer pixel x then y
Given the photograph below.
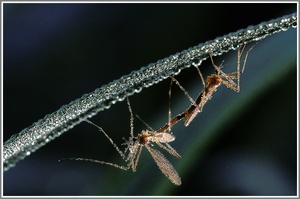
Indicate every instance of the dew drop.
{"type": "Point", "coordinates": [196, 62]}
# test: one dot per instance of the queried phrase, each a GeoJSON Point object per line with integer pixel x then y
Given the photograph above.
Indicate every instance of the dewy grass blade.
{"type": "Point", "coordinates": [53, 125]}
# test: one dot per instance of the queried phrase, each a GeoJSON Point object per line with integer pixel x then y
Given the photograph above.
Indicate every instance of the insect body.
{"type": "Point", "coordinates": [210, 86]}
{"type": "Point", "coordinates": [135, 145]}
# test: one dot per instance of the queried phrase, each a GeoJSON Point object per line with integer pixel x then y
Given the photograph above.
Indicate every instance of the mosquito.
{"type": "Point", "coordinates": [210, 86]}
{"type": "Point", "coordinates": [135, 145]}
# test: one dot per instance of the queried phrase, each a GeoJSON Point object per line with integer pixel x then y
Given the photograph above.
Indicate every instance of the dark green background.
{"type": "Point", "coordinates": [241, 144]}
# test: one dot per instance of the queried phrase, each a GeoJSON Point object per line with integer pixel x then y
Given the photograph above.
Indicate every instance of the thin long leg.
{"type": "Point", "coordinates": [185, 92]}
{"type": "Point", "coordinates": [240, 53]}
{"type": "Point", "coordinates": [137, 158]}
{"type": "Point", "coordinates": [246, 56]}
{"type": "Point", "coordinates": [100, 162]}
{"type": "Point", "coordinates": [213, 63]}
{"type": "Point", "coordinates": [200, 74]}
{"type": "Point", "coordinates": [131, 119]}
{"type": "Point", "coordinates": [238, 66]}
{"type": "Point", "coordinates": [179, 117]}
{"type": "Point", "coordinates": [111, 141]}
{"type": "Point", "coordinates": [169, 113]}
{"type": "Point", "coordinates": [129, 144]}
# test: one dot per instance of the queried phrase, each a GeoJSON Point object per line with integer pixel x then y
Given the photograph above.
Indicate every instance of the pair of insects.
{"type": "Point", "coordinates": [163, 136]}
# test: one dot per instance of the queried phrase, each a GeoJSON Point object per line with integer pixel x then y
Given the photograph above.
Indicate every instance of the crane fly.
{"type": "Point", "coordinates": [135, 145]}
{"type": "Point", "coordinates": [210, 86]}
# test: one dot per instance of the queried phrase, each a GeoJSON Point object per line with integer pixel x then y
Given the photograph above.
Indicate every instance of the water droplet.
{"type": "Point", "coordinates": [196, 62]}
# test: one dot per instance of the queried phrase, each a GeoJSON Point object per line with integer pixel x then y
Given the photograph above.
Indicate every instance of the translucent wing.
{"type": "Point", "coordinates": [161, 137]}
{"type": "Point", "coordinates": [164, 165]}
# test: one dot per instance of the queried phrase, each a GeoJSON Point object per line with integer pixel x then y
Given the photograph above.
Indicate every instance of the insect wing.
{"type": "Point", "coordinates": [161, 137]}
{"type": "Point", "coordinates": [164, 165]}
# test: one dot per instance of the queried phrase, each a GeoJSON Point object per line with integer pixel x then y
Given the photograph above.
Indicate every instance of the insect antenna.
{"type": "Point", "coordinates": [145, 123]}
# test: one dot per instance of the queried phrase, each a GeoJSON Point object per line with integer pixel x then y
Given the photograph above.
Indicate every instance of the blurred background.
{"type": "Point", "coordinates": [241, 144]}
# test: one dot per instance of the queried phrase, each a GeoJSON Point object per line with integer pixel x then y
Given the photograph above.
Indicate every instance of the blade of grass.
{"type": "Point", "coordinates": [53, 125]}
